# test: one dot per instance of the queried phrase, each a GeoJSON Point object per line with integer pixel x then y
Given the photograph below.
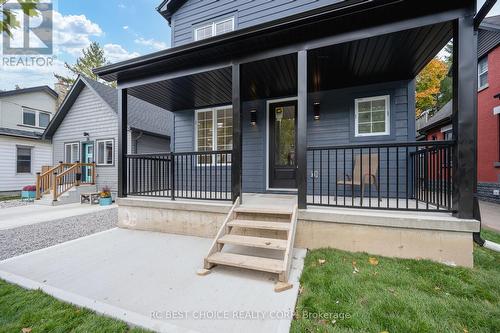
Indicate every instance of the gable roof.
{"type": "Point", "coordinates": [142, 115]}
{"type": "Point", "coordinates": [167, 8]}
{"type": "Point", "coordinates": [441, 117]}
{"type": "Point", "coordinates": [488, 36]}
{"type": "Point", "coordinates": [45, 89]}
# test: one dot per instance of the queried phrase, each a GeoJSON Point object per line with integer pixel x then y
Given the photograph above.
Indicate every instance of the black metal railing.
{"type": "Point", "coordinates": [188, 175]}
{"type": "Point", "coordinates": [404, 176]}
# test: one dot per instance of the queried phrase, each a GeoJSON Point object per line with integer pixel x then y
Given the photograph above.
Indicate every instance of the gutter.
{"type": "Point", "coordinates": [476, 236]}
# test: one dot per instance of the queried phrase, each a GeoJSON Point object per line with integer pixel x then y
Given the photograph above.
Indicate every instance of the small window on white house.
{"type": "Point", "coordinates": [372, 116]}
{"type": "Point", "coordinates": [214, 131]}
{"type": "Point", "coordinates": [43, 119]}
{"type": "Point", "coordinates": [23, 164]}
{"type": "Point", "coordinates": [482, 73]}
{"type": "Point", "coordinates": [71, 152]}
{"type": "Point", "coordinates": [105, 149]}
{"type": "Point", "coordinates": [214, 28]}
{"type": "Point", "coordinates": [29, 117]}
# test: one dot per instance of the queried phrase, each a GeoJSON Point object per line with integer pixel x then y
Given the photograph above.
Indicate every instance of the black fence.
{"type": "Point", "coordinates": [405, 176]}
{"type": "Point", "coordinates": [190, 175]}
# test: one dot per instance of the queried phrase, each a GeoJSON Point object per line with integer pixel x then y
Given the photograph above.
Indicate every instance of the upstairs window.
{"type": "Point", "coordinates": [43, 119]}
{"type": "Point", "coordinates": [29, 117]}
{"type": "Point", "coordinates": [482, 73]}
{"type": "Point", "coordinates": [372, 116]}
{"type": "Point", "coordinates": [214, 28]}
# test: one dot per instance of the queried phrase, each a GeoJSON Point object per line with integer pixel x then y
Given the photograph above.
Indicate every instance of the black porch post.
{"type": "Point", "coordinates": [236, 158]}
{"type": "Point", "coordinates": [302, 128]}
{"type": "Point", "coordinates": [464, 115]}
{"type": "Point", "coordinates": [122, 143]}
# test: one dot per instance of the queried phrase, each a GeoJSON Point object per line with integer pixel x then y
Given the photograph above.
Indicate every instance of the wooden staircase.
{"type": "Point", "coordinates": [250, 227]}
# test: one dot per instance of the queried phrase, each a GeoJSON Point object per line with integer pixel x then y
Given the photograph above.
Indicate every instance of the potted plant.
{"type": "Point", "coordinates": [105, 196]}
{"type": "Point", "coordinates": [28, 193]}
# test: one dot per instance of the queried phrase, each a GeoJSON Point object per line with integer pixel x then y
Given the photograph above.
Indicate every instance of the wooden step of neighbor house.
{"type": "Point", "coordinates": [263, 225]}
{"type": "Point", "coordinates": [248, 262]}
{"type": "Point", "coordinates": [260, 242]}
{"type": "Point", "coordinates": [264, 210]}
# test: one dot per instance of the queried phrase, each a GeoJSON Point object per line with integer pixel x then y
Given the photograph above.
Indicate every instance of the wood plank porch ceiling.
{"type": "Point", "coordinates": [389, 57]}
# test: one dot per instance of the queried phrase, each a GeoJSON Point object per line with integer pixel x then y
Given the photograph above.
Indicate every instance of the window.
{"type": "Point", "coordinates": [29, 117]}
{"type": "Point", "coordinates": [43, 119]}
{"type": "Point", "coordinates": [214, 131]}
{"type": "Point", "coordinates": [105, 151]}
{"type": "Point", "coordinates": [71, 152]}
{"type": "Point", "coordinates": [482, 73]}
{"type": "Point", "coordinates": [214, 28]}
{"type": "Point", "coordinates": [23, 160]}
{"type": "Point", "coordinates": [372, 116]}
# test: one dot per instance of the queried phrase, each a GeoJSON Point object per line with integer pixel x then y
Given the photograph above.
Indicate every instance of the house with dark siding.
{"type": "Point", "coordinates": [294, 126]}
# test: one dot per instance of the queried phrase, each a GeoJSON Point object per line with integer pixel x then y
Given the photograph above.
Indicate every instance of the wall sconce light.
{"type": "Point", "coordinates": [316, 109]}
{"type": "Point", "coordinates": [86, 135]}
{"type": "Point", "coordinates": [253, 117]}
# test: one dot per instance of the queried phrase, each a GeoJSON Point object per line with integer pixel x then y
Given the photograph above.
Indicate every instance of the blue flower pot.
{"type": "Point", "coordinates": [105, 201]}
{"type": "Point", "coordinates": [28, 195]}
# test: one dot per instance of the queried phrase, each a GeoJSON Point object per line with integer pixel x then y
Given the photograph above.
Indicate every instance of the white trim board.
{"type": "Point", "coordinates": [268, 102]}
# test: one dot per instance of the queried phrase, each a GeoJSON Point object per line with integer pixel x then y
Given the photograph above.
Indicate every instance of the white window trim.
{"type": "Point", "coordinates": [65, 151]}
{"type": "Point", "coordinates": [387, 115]}
{"type": "Point", "coordinates": [37, 116]}
{"type": "Point", "coordinates": [446, 128]}
{"type": "Point", "coordinates": [112, 152]}
{"type": "Point", "coordinates": [212, 25]}
{"type": "Point", "coordinates": [214, 131]}
{"type": "Point", "coordinates": [479, 87]}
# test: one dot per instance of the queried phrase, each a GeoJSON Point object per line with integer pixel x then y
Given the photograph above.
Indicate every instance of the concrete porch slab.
{"type": "Point", "coordinates": [149, 279]}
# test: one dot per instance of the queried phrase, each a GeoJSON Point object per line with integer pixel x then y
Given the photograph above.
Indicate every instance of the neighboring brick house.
{"type": "Point", "coordinates": [488, 134]}
{"type": "Point", "coordinates": [437, 126]}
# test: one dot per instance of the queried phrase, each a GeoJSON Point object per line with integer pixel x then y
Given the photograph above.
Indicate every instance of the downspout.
{"type": "Point", "coordinates": [476, 236]}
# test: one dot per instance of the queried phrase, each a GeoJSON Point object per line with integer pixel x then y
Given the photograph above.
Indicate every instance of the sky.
{"type": "Point", "coordinates": [124, 28]}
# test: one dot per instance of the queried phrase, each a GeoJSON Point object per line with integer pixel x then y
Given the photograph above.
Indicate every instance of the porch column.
{"type": "Point", "coordinates": [122, 143]}
{"type": "Point", "coordinates": [236, 158]}
{"type": "Point", "coordinates": [464, 116]}
{"type": "Point", "coordinates": [302, 128]}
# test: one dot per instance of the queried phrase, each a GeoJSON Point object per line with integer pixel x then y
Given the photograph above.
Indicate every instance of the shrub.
{"type": "Point", "coordinates": [105, 192]}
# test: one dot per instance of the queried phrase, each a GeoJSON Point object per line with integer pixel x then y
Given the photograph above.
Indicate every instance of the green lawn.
{"type": "Point", "coordinates": [36, 312]}
{"type": "Point", "coordinates": [9, 197]}
{"type": "Point", "coordinates": [397, 295]}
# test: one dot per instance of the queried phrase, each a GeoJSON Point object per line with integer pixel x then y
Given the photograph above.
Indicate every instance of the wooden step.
{"type": "Point", "coordinates": [260, 242]}
{"type": "Point", "coordinates": [248, 262]}
{"type": "Point", "coordinates": [264, 225]}
{"type": "Point", "coordinates": [263, 210]}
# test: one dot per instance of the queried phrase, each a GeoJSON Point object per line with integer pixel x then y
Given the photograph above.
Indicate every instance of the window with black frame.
{"type": "Point", "coordinates": [23, 161]}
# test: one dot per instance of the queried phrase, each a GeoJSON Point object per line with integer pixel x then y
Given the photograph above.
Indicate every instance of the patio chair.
{"type": "Point", "coordinates": [367, 177]}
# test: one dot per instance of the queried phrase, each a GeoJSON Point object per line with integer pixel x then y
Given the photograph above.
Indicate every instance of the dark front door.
{"type": "Point", "coordinates": [282, 144]}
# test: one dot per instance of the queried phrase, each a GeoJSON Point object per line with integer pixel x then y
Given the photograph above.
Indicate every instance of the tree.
{"type": "Point", "coordinates": [9, 20]}
{"type": "Point", "coordinates": [92, 57]}
{"type": "Point", "coordinates": [428, 85]}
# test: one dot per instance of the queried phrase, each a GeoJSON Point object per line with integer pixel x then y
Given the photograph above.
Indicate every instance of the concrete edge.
{"type": "Point", "coordinates": [390, 219]}
{"type": "Point", "coordinates": [56, 245]}
{"type": "Point", "coordinates": [186, 205]}
{"type": "Point", "coordinates": [130, 317]}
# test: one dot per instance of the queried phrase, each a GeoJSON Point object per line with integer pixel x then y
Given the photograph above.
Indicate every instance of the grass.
{"type": "Point", "coordinates": [9, 197]}
{"type": "Point", "coordinates": [398, 295]}
{"type": "Point", "coordinates": [36, 311]}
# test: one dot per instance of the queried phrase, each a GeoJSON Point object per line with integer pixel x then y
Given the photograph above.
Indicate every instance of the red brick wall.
{"type": "Point", "coordinates": [488, 131]}
{"type": "Point", "coordinates": [435, 133]}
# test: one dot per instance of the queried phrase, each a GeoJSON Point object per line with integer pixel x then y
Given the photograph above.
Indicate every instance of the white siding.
{"type": "Point", "coordinates": [89, 114]}
{"type": "Point", "coordinates": [41, 154]}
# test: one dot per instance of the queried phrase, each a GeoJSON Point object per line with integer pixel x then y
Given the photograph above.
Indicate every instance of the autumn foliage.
{"type": "Point", "coordinates": [428, 84]}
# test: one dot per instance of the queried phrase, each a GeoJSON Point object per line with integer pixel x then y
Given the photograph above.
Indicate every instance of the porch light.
{"type": "Point", "coordinates": [86, 135]}
{"type": "Point", "coordinates": [253, 117]}
{"type": "Point", "coordinates": [316, 109]}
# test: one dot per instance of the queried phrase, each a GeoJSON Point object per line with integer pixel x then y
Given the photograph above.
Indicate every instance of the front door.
{"type": "Point", "coordinates": [88, 157]}
{"type": "Point", "coordinates": [282, 145]}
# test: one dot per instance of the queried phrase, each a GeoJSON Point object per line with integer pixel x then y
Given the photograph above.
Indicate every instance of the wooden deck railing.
{"type": "Point", "coordinates": [63, 177]}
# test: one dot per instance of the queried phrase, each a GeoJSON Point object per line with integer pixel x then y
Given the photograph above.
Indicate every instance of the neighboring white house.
{"type": "Point", "coordinates": [24, 115]}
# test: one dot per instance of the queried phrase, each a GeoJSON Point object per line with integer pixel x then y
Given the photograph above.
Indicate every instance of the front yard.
{"type": "Point", "coordinates": [341, 292]}
{"type": "Point", "coordinates": [355, 292]}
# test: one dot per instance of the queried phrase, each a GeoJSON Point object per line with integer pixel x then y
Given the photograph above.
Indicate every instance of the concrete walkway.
{"type": "Point", "coordinates": [23, 215]}
{"type": "Point", "coordinates": [149, 279]}
{"type": "Point", "coordinates": [490, 215]}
